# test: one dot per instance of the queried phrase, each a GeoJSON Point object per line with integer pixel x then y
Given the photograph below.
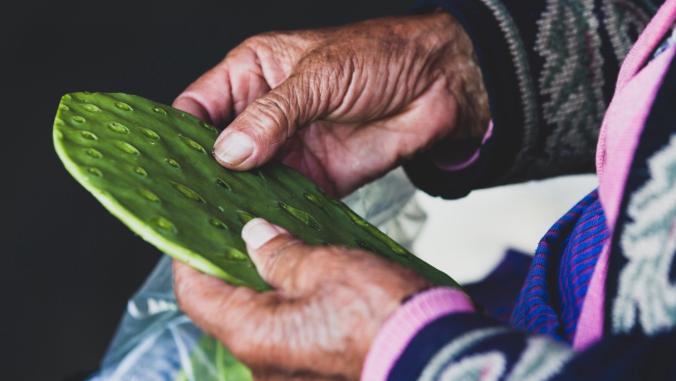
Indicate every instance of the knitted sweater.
{"type": "Point", "coordinates": [600, 299]}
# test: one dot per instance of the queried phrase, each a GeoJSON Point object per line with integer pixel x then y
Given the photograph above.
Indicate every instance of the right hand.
{"type": "Point", "coordinates": [343, 105]}
{"type": "Point", "coordinates": [328, 305]}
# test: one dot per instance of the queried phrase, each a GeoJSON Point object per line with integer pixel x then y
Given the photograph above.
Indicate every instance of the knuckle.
{"type": "Point", "coordinates": [271, 117]}
{"type": "Point", "coordinates": [261, 41]}
{"type": "Point", "coordinates": [255, 40]}
{"type": "Point", "coordinates": [324, 77]}
{"type": "Point", "coordinates": [249, 49]}
{"type": "Point", "coordinates": [322, 255]}
{"type": "Point", "coordinates": [280, 252]}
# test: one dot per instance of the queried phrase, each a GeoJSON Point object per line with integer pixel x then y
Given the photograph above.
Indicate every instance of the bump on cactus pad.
{"type": "Point", "coordinates": [150, 166]}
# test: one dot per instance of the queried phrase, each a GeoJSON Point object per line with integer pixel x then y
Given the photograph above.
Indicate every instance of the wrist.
{"type": "Point", "coordinates": [464, 79]}
{"type": "Point", "coordinates": [400, 328]}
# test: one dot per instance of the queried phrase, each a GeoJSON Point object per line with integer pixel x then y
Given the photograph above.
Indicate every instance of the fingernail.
{"type": "Point", "coordinates": [258, 232]}
{"type": "Point", "coordinates": [233, 147]}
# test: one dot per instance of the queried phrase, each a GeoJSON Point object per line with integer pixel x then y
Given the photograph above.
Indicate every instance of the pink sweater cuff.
{"type": "Point", "coordinates": [403, 325]}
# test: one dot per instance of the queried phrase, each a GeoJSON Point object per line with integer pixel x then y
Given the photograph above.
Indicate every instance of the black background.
{"type": "Point", "coordinates": [68, 267]}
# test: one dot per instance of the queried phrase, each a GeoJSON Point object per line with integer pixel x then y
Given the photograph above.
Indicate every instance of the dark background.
{"type": "Point", "coordinates": [69, 266]}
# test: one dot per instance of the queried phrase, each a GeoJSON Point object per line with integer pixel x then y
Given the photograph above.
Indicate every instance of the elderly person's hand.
{"type": "Point", "coordinates": [318, 323]}
{"type": "Point", "coordinates": [343, 105]}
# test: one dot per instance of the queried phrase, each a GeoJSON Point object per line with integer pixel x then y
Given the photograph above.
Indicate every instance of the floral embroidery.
{"type": "Point", "coordinates": [646, 294]}
{"type": "Point", "coordinates": [542, 359]}
{"type": "Point", "coordinates": [443, 362]}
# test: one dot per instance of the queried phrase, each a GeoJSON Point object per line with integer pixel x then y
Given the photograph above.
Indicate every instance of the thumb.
{"type": "Point", "coordinates": [278, 256]}
{"type": "Point", "coordinates": [260, 130]}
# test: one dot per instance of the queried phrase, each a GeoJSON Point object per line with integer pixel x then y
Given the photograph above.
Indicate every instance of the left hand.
{"type": "Point", "coordinates": [320, 320]}
{"type": "Point", "coordinates": [343, 105]}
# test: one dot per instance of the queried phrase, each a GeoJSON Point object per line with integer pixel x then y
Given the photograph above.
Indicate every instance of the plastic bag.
{"type": "Point", "coordinates": [156, 342]}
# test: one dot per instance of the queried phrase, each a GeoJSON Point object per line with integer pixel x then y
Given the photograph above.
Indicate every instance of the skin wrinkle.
{"type": "Point", "coordinates": [353, 92]}
{"type": "Point", "coordinates": [309, 99]}
{"type": "Point", "coordinates": [273, 108]}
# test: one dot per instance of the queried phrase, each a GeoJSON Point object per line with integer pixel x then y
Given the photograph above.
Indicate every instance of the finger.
{"type": "Point", "coordinates": [206, 299]}
{"type": "Point", "coordinates": [226, 89]}
{"type": "Point", "coordinates": [209, 97]}
{"type": "Point", "coordinates": [256, 135]}
{"type": "Point", "coordinates": [194, 290]}
{"type": "Point", "coordinates": [278, 256]}
{"type": "Point", "coordinates": [245, 321]}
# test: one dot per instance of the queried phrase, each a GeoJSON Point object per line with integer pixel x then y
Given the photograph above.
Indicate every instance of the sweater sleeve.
{"type": "Point", "coordinates": [466, 346]}
{"type": "Point", "coordinates": [548, 67]}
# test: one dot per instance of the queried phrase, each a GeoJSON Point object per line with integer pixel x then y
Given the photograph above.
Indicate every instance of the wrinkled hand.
{"type": "Point", "coordinates": [319, 322]}
{"type": "Point", "coordinates": [342, 105]}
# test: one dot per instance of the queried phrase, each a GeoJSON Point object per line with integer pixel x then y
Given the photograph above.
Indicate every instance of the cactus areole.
{"type": "Point", "coordinates": [150, 165]}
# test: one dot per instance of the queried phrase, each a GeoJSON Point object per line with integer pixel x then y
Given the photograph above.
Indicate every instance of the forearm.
{"type": "Point", "coordinates": [548, 69]}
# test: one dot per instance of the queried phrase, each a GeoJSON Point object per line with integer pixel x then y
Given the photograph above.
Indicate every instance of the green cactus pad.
{"type": "Point", "coordinates": [150, 166]}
